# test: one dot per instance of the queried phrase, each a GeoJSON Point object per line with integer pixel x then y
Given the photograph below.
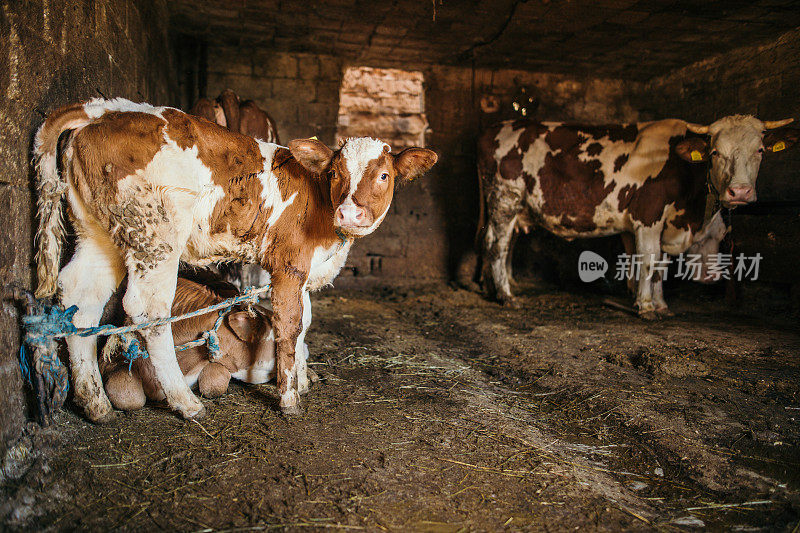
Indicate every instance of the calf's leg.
{"type": "Point", "coordinates": [287, 306]}
{"type": "Point", "coordinates": [88, 281]}
{"type": "Point", "coordinates": [301, 349]}
{"type": "Point", "coordinates": [149, 297]}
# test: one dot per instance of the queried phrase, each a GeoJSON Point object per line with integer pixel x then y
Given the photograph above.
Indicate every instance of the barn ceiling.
{"type": "Point", "coordinates": [629, 39]}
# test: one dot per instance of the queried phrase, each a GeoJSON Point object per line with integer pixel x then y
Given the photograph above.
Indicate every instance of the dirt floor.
{"type": "Point", "coordinates": [439, 411]}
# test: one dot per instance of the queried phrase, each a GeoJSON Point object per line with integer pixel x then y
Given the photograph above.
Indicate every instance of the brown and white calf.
{"type": "Point", "coordinates": [246, 341]}
{"type": "Point", "coordinates": [247, 118]}
{"type": "Point", "coordinates": [149, 187]}
{"type": "Point", "coordinates": [242, 117]}
{"type": "Point", "coordinates": [648, 179]}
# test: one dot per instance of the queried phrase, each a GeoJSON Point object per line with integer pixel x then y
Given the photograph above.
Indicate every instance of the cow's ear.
{"type": "Point", "coordinates": [412, 163]}
{"type": "Point", "coordinates": [780, 139]}
{"type": "Point", "coordinates": [312, 154]}
{"type": "Point", "coordinates": [693, 150]}
{"type": "Point", "coordinates": [244, 326]}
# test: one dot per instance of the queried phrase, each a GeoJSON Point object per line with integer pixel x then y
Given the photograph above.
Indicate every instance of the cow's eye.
{"type": "Point", "coordinates": [384, 177]}
{"type": "Point", "coordinates": [714, 152]}
{"type": "Point", "coordinates": [761, 150]}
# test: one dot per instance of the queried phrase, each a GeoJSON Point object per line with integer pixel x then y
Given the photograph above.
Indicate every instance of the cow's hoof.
{"type": "Point", "coordinates": [510, 302]}
{"type": "Point", "coordinates": [648, 315]}
{"type": "Point", "coordinates": [312, 375]}
{"type": "Point", "coordinates": [665, 313]}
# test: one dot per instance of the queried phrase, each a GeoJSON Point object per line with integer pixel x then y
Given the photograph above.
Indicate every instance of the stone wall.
{"type": "Point", "coordinates": [55, 52]}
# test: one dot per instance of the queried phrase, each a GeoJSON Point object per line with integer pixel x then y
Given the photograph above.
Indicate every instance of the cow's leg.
{"type": "Point", "coordinates": [510, 256]}
{"type": "Point", "coordinates": [503, 204]}
{"type": "Point", "coordinates": [301, 350]}
{"type": "Point", "coordinates": [630, 249]}
{"type": "Point", "coordinates": [648, 246]}
{"type": "Point", "coordinates": [88, 281]}
{"type": "Point", "coordinates": [287, 321]}
{"type": "Point", "coordinates": [658, 295]}
{"type": "Point", "coordinates": [151, 289]}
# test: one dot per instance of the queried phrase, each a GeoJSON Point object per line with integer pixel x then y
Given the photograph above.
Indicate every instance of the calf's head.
{"type": "Point", "coordinates": [733, 147]}
{"type": "Point", "coordinates": [706, 245]}
{"type": "Point", "coordinates": [252, 341]}
{"type": "Point", "coordinates": [362, 175]}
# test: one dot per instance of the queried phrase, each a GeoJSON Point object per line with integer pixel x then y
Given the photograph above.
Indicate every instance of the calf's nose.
{"type": "Point", "coordinates": [351, 215]}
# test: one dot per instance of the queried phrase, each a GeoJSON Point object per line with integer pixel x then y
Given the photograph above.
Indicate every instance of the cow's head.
{"type": "Point", "coordinates": [362, 175]}
{"type": "Point", "coordinates": [734, 146]}
{"type": "Point", "coordinates": [706, 245]}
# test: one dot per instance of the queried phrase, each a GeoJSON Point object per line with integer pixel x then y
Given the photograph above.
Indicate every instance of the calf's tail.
{"type": "Point", "coordinates": [51, 186]}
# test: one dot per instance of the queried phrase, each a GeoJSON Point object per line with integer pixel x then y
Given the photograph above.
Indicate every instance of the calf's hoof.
{"type": "Point", "coordinates": [190, 410]}
{"type": "Point", "coordinates": [213, 380]}
{"type": "Point", "coordinates": [199, 415]}
{"type": "Point", "coordinates": [105, 419]}
{"type": "Point", "coordinates": [125, 391]}
{"type": "Point", "coordinates": [292, 411]}
{"type": "Point", "coordinates": [98, 410]}
{"type": "Point", "coordinates": [313, 376]}
{"type": "Point", "coordinates": [664, 312]}
{"type": "Point", "coordinates": [290, 403]}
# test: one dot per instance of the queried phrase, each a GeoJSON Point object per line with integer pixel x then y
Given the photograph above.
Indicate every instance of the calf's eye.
{"type": "Point", "coordinates": [384, 177]}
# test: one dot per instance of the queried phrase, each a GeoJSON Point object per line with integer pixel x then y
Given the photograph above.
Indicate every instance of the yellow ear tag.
{"type": "Point", "coordinates": [314, 138]}
{"type": "Point", "coordinates": [778, 146]}
{"type": "Point", "coordinates": [696, 156]}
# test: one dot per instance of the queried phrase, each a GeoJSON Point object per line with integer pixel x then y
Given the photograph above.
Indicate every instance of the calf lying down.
{"type": "Point", "coordinates": [246, 340]}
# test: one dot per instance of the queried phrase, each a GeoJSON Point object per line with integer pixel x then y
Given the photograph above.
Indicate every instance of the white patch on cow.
{"type": "Point", "coordinates": [97, 107]}
{"type": "Point", "coordinates": [357, 153]}
{"type": "Point", "coordinates": [270, 189]}
{"type": "Point", "coordinates": [326, 263]}
{"type": "Point", "coordinates": [377, 222]}
{"type": "Point", "coordinates": [507, 139]}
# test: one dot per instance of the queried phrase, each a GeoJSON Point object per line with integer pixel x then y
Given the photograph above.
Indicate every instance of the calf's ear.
{"type": "Point", "coordinates": [780, 139]}
{"type": "Point", "coordinates": [312, 154]}
{"type": "Point", "coordinates": [244, 326]}
{"type": "Point", "coordinates": [693, 150]}
{"type": "Point", "coordinates": [412, 163]}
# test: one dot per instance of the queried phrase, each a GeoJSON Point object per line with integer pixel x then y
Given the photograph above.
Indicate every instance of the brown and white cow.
{"type": "Point", "coordinates": [149, 187]}
{"type": "Point", "coordinates": [648, 179]}
{"type": "Point", "coordinates": [246, 341]}
{"type": "Point", "coordinates": [242, 117]}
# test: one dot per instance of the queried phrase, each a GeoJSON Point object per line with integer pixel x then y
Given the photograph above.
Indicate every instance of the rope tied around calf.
{"type": "Point", "coordinates": [45, 323]}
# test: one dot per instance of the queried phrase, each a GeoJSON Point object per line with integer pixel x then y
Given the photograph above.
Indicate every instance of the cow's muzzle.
{"type": "Point", "coordinates": [738, 195]}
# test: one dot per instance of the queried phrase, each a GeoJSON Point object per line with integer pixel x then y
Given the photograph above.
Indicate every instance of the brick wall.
{"type": "Point", "coordinates": [299, 91]}
{"type": "Point", "coordinates": [758, 80]}
{"type": "Point", "coordinates": [56, 52]}
{"type": "Point", "coordinates": [431, 224]}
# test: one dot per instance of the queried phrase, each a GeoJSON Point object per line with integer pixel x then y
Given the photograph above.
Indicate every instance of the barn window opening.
{"type": "Point", "coordinates": [385, 103]}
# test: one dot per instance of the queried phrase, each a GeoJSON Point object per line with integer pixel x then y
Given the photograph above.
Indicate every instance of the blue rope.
{"type": "Point", "coordinates": [24, 365]}
{"type": "Point", "coordinates": [54, 322]}
{"type": "Point", "coordinates": [131, 349]}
